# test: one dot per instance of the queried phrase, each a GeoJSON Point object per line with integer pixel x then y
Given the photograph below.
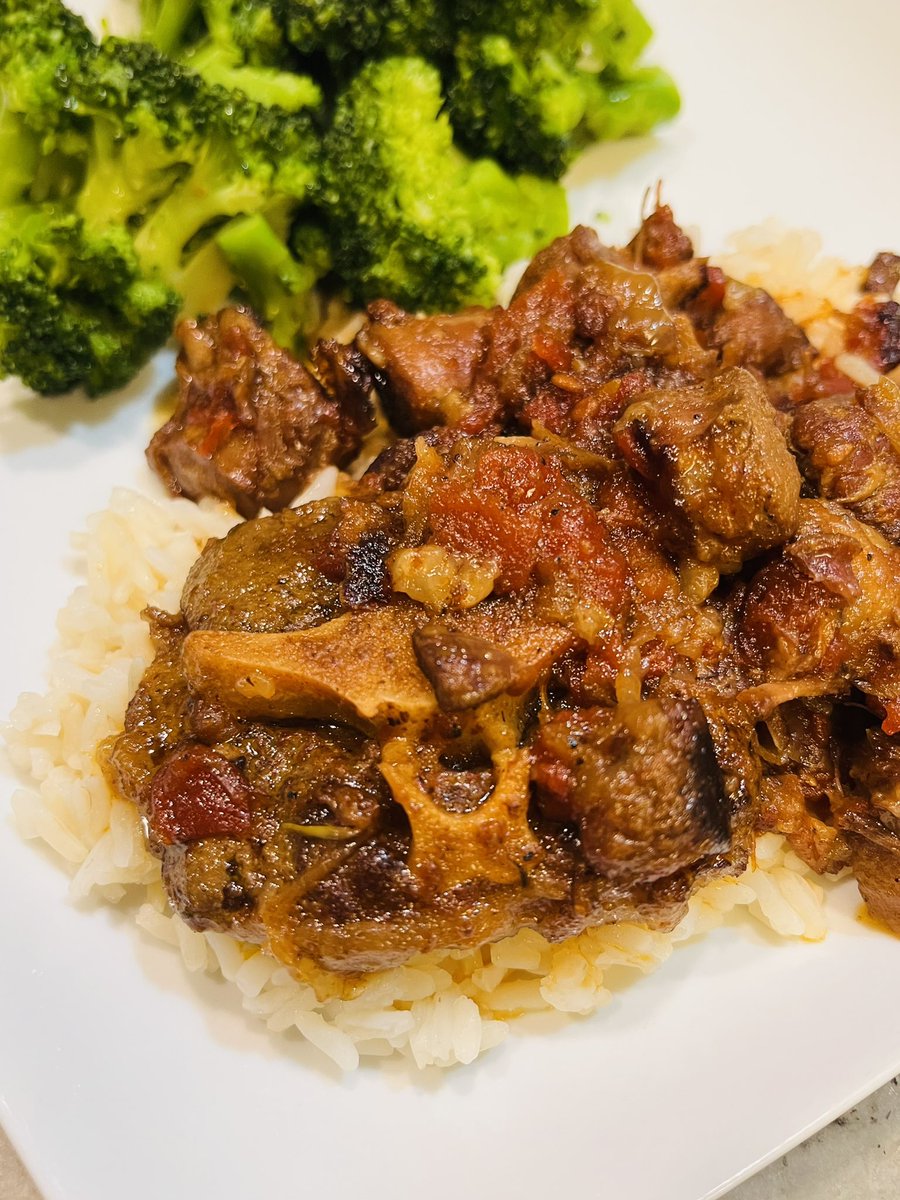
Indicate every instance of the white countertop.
{"type": "Point", "coordinates": [856, 1156]}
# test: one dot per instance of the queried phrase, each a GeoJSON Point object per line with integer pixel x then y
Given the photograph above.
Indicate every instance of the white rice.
{"type": "Point", "coordinates": [442, 1008]}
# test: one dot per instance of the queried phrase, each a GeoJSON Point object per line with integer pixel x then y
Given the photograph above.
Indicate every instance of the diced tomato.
{"type": "Point", "coordinates": [217, 431]}
{"type": "Point", "coordinates": [516, 507]}
{"type": "Point", "coordinates": [891, 722]}
{"type": "Point", "coordinates": [196, 794]}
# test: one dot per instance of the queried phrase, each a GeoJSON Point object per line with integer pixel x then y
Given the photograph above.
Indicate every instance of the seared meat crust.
{"type": "Point", "coordinates": [716, 455]}
{"type": "Point", "coordinates": [849, 449]}
{"type": "Point", "coordinates": [252, 424]}
{"type": "Point", "coordinates": [623, 595]}
{"type": "Point", "coordinates": [642, 783]}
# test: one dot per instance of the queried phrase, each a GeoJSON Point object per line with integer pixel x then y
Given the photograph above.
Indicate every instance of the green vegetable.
{"type": "Point", "coordinates": [75, 306]}
{"type": "Point", "coordinates": [406, 149]}
{"type": "Point", "coordinates": [277, 281]}
{"type": "Point", "coordinates": [408, 215]}
{"type": "Point", "coordinates": [237, 44]}
{"type": "Point", "coordinates": [533, 82]}
{"type": "Point", "coordinates": [143, 156]}
{"type": "Point", "coordinates": [347, 32]}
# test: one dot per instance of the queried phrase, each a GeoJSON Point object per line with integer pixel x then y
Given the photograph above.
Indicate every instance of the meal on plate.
{"type": "Point", "coordinates": [533, 694]}
{"type": "Point", "coordinates": [478, 652]}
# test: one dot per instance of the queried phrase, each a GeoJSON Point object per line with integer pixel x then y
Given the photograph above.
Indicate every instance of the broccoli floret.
{"type": "Point", "coordinates": [409, 216]}
{"type": "Point", "coordinates": [529, 82]}
{"type": "Point", "coordinates": [75, 307]}
{"type": "Point", "coordinates": [277, 282]}
{"type": "Point", "coordinates": [237, 44]}
{"type": "Point", "coordinates": [142, 151]}
{"type": "Point", "coordinates": [533, 83]}
{"type": "Point", "coordinates": [588, 34]}
{"type": "Point", "coordinates": [171, 155]}
{"type": "Point", "coordinates": [631, 105]}
{"type": "Point", "coordinates": [37, 133]}
{"type": "Point", "coordinates": [346, 30]}
{"type": "Point", "coordinates": [530, 114]}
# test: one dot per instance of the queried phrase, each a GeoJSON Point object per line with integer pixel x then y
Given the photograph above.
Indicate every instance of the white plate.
{"type": "Point", "coordinates": [122, 1076]}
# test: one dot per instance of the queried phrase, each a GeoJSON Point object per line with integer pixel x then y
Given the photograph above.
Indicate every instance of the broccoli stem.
{"type": "Point", "coordinates": [121, 179]}
{"type": "Point", "coordinates": [189, 207]}
{"type": "Point", "coordinates": [205, 281]}
{"type": "Point", "coordinates": [19, 155]}
{"type": "Point", "coordinates": [277, 285]}
{"type": "Point", "coordinates": [164, 23]}
{"type": "Point", "coordinates": [263, 84]}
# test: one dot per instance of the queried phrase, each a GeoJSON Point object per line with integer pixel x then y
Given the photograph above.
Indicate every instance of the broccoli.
{"type": "Point", "coordinates": [266, 145]}
{"type": "Point", "coordinates": [346, 31]}
{"type": "Point", "coordinates": [148, 159]}
{"type": "Point", "coordinates": [75, 306]}
{"type": "Point", "coordinates": [528, 82]}
{"type": "Point", "coordinates": [533, 83]}
{"type": "Point", "coordinates": [170, 155]}
{"type": "Point", "coordinates": [238, 44]}
{"type": "Point", "coordinates": [278, 282]}
{"type": "Point", "coordinates": [408, 215]}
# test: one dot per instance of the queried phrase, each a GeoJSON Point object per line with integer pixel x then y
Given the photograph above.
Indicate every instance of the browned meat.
{"type": "Point", "coordinates": [714, 454]}
{"type": "Point", "coordinates": [640, 781]}
{"type": "Point", "coordinates": [623, 310]}
{"type": "Point", "coordinates": [873, 332]}
{"type": "Point", "coordinates": [750, 330]}
{"type": "Point", "coordinates": [884, 273]}
{"type": "Point", "coordinates": [563, 649]}
{"type": "Point", "coordinates": [425, 365]}
{"type": "Point", "coordinates": [389, 471]}
{"type": "Point", "coordinates": [267, 574]}
{"type": "Point", "coordinates": [530, 341]}
{"type": "Point", "coordinates": [870, 823]}
{"type": "Point", "coordinates": [660, 243]}
{"type": "Point", "coordinates": [850, 450]}
{"type": "Point", "coordinates": [252, 424]}
{"type": "Point", "coordinates": [876, 772]}
{"type": "Point", "coordinates": [875, 855]}
{"type": "Point", "coordinates": [824, 612]}
{"type": "Point", "coordinates": [357, 849]}
{"type": "Point", "coordinates": [346, 376]}
{"type": "Point", "coordinates": [464, 669]}
{"type": "Point", "coordinates": [803, 785]}
{"type": "Point", "coordinates": [568, 256]}
{"type": "Point", "coordinates": [682, 282]}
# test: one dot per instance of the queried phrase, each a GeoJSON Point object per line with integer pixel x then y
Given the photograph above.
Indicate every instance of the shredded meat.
{"type": "Point", "coordinates": [621, 595]}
